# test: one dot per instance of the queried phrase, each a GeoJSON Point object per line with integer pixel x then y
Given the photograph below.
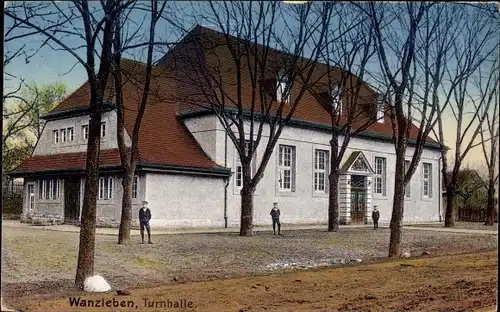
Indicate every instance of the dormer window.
{"type": "Point", "coordinates": [380, 108]}
{"type": "Point", "coordinates": [335, 99]}
{"type": "Point", "coordinates": [281, 88]}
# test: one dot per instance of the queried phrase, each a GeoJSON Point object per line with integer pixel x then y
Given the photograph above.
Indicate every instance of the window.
{"type": "Point", "coordinates": [320, 170]}
{"type": "Point", "coordinates": [286, 168]}
{"type": "Point", "coordinates": [85, 132]}
{"type": "Point", "coordinates": [427, 183]}
{"type": "Point", "coordinates": [110, 188]}
{"type": "Point", "coordinates": [56, 136]}
{"type": "Point", "coordinates": [408, 189]}
{"type": "Point", "coordinates": [31, 196]}
{"type": "Point", "coordinates": [380, 108]}
{"type": "Point", "coordinates": [380, 175]}
{"type": "Point", "coordinates": [71, 134]}
{"type": "Point", "coordinates": [101, 188]}
{"type": "Point", "coordinates": [281, 88]}
{"type": "Point", "coordinates": [55, 189]}
{"type": "Point", "coordinates": [49, 189]}
{"type": "Point", "coordinates": [103, 130]}
{"type": "Point", "coordinates": [239, 168]}
{"type": "Point", "coordinates": [105, 188]}
{"type": "Point", "coordinates": [134, 187]}
{"type": "Point", "coordinates": [335, 98]}
{"type": "Point", "coordinates": [63, 135]}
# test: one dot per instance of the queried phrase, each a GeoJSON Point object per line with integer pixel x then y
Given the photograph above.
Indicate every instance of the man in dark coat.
{"type": "Point", "coordinates": [144, 217]}
{"type": "Point", "coordinates": [275, 215]}
{"type": "Point", "coordinates": [375, 217]}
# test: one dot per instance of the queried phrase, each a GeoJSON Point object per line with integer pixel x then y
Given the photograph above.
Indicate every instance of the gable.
{"type": "Point", "coordinates": [357, 162]}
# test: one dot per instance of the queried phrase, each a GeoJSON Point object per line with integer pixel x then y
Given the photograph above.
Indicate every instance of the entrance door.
{"type": "Point", "coordinates": [72, 200]}
{"type": "Point", "coordinates": [358, 199]}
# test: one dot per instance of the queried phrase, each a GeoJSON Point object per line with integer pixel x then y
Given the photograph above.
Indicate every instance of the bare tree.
{"type": "Point", "coordinates": [406, 35]}
{"type": "Point", "coordinates": [339, 87]}
{"type": "Point", "coordinates": [252, 88]}
{"type": "Point", "coordinates": [59, 26]}
{"type": "Point", "coordinates": [128, 155]}
{"type": "Point", "coordinates": [490, 134]}
{"type": "Point", "coordinates": [422, 57]}
{"type": "Point", "coordinates": [470, 51]}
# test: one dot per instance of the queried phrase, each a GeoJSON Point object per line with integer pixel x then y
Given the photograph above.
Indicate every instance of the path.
{"type": "Point", "coordinates": [114, 231]}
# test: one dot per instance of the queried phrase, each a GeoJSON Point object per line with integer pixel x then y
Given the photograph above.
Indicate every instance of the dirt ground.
{"type": "Point", "coordinates": [465, 225]}
{"type": "Point", "coordinates": [447, 283]}
{"type": "Point", "coordinates": [41, 264]}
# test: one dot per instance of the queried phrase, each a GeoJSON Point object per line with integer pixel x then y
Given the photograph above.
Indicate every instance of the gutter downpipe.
{"type": "Point", "coordinates": [440, 188]}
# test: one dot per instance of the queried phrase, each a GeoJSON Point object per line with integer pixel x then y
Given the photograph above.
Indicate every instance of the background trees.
{"type": "Point", "coordinates": [428, 54]}
{"type": "Point", "coordinates": [22, 123]}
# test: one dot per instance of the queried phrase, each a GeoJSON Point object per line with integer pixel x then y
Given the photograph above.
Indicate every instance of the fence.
{"type": "Point", "coordinates": [471, 215]}
{"type": "Point", "coordinates": [12, 195]}
{"type": "Point", "coordinates": [13, 189]}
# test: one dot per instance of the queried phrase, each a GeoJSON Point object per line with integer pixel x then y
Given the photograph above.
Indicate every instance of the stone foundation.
{"type": "Point", "coordinates": [113, 223]}
{"type": "Point", "coordinates": [38, 218]}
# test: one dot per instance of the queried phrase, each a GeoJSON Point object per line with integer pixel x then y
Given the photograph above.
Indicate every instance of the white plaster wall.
{"type": "Point", "coordinates": [205, 131]}
{"type": "Point", "coordinates": [305, 206]}
{"type": "Point", "coordinates": [46, 145]}
{"type": "Point", "coordinates": [185, 201]}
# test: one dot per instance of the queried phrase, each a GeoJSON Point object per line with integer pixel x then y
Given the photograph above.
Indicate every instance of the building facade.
{"type": "Point", "coordinates": [189, 171]}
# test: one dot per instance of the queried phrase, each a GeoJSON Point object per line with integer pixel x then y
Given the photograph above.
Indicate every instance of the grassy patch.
{"type": "Point", "coordinates": [258, 253]}
{"type": "Point", "coordinates": [148, 263]}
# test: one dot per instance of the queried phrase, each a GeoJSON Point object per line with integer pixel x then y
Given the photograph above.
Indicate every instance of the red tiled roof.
{"type": "Point", "coordinates": [68, 161]}
{"type": "Point", "coordinates": [213, 50]}
{"type": "Point", "coordinates": [163, 139]}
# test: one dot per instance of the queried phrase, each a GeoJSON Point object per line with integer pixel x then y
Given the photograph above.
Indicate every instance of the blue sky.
{"type": "Point", "coordinates": [49, 66]}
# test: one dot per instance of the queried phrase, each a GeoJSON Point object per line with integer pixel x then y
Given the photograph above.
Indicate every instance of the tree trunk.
{"type": "Point", "coordinates": [449, 217]}
{"type": "Point", "coordinates": [333, 201]}
{"type": "Point", "coordinates": [126, 219]}
{"type": "Point", "coordinates": [246, 228]}
{"type": "Point", "coordinates": [491, 203]}
{"type": "Point", "coordinates": [333, 180]}
{"type": "Point", "coordinates": [397, 205]}
{"type": "Point", "coordinates": [85, 266]}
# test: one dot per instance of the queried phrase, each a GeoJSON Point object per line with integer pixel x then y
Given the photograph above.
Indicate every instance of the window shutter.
{"type": "Point", "coordinates": [327, 172]}
{"type": "Point", "coordinates": [384, 186]}
{"type": "Point", "coordinates": [430, 180]}
{"type": "Point", "coordinates": [293, 177]}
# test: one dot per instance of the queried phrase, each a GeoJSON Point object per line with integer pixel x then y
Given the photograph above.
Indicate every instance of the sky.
{"type": "Point", "coordinates": [49, 66]}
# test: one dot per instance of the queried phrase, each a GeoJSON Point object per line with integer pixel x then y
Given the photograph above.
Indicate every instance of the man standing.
{"type": "Point", "coordinates": [275, 215]}
{"type": "Point", "coordinates": [144, 217]}
{"type": "Point", "coordinates": [375, 217]}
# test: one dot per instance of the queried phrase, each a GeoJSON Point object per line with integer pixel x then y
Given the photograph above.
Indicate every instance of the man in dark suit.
{"type": "Point", "coordinates": [144, 217]}
{"type": "Point", "coordinates": [375, 217]}
{"type": "Point", "coordinates": [275, 215]}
